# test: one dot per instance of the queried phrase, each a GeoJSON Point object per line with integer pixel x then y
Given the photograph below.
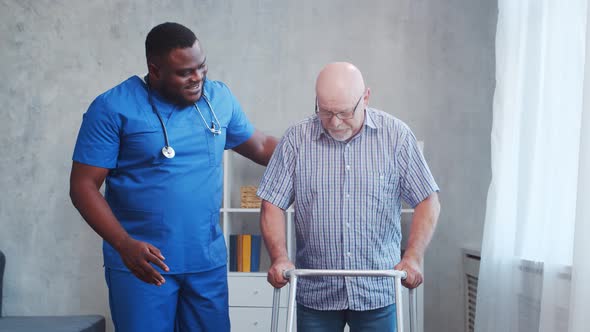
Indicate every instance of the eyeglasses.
{"type": "Point", "coordinates": [340, 115]}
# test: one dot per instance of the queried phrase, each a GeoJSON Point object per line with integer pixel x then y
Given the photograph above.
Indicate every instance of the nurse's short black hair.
{"type": "Point", "coordinates": [166, 37]}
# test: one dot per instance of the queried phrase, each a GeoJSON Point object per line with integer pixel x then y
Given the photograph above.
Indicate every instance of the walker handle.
{"type": "Point", "coordinates": [292, 276]}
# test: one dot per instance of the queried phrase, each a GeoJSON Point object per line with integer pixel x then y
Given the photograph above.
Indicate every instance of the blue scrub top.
{"type": "Point", "coordinates": [172, 204]}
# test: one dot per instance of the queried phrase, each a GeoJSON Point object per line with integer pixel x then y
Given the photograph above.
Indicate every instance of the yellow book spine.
{"type": "Point", "coordinates": [246, 252]}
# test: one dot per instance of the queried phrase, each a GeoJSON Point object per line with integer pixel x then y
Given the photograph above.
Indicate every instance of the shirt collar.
{"type": "Point", "coordinates": [369, 121]}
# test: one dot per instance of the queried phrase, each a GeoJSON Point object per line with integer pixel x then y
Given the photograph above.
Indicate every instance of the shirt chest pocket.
{"type": "Point", "coordinates": [379, 186]}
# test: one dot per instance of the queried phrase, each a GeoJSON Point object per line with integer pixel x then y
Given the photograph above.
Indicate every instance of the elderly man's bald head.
{"type": "Point", "coordinates": [341, 100]}
{"type": "Point", "coordinates": [338, 84]}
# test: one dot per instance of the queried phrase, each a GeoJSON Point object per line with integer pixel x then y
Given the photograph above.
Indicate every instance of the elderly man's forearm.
{"type": "Point", "coordinates": [423, 225]}
{"type": "Point", "coordinates": [272, 226]}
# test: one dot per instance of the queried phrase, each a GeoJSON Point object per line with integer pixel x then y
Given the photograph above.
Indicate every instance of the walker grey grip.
{"type": "Point", "coordinates": [292, 276]}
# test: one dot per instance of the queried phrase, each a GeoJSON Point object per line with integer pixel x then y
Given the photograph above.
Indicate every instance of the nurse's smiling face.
{"type": "Point", "coordinates": [179, 75]}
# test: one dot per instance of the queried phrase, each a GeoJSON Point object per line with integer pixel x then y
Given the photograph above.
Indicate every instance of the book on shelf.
{"type": "Point", "coordinates": [233, 262]}
{"type": "Point", "coordinates": [244, 252]}
{"type": "Point", "coordinates": [255, 253]}
{"type": "Point", "coordinates": [239, 253]}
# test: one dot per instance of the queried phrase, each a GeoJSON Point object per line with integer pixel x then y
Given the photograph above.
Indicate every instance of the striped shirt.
{"type": "Point", "coordinates": [348, 199]}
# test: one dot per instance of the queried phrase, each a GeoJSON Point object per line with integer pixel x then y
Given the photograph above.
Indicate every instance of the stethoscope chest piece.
{"type": "Point", "coordinates": [168, 152]}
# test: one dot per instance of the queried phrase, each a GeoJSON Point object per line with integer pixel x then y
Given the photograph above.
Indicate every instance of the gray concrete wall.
{"type": "Point", "coordinates": [430, 63]}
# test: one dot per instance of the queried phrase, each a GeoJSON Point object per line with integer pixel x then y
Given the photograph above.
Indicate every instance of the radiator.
{"type": "Point", "coordinates": [471, 259]}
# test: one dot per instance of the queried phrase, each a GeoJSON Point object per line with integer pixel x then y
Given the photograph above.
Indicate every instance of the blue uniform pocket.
{"type": "Point", "coordinates": [141, 149]}
{"type": "Point", "coordinates": [216, 145]}
{"type": "Point", "coordinates": [142, 225]}
{"type": "Point", "coordinates": [217, 249]}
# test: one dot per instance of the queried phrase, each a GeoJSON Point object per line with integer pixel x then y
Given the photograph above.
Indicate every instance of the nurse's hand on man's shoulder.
{"type": "Point", "coordinates": [138, 255]}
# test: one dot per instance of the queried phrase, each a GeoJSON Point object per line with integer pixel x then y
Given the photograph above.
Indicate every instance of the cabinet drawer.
{"type": "Point", "coordinates": [255, 319]}
{"type": "Point", "coordinates": [253, 291]}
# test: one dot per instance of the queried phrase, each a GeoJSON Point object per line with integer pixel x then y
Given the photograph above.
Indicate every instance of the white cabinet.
{"type": "Point", "coordinates": [250, 302]}
{"type": "Point", "coordinates": [250, 295]}
{"type": "Point", "coordinates": [254, 319]}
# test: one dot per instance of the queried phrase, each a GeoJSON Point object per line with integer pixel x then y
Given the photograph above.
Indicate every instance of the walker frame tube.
{"type": "Point", "coordinates": [293, 275]}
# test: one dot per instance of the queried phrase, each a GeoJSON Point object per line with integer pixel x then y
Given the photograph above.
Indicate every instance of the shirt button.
{"type": "Point", "coordinates": [349, 254]}
{"type": "Point", "coordinates": [347, 195]}
{"type": "Point", "coordinates": [348, 224]}
{"type": "Point", "coordinates": [347, 167]}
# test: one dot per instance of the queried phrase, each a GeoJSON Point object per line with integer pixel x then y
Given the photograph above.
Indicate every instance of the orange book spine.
{"type": "Point", "coordinates": [246, 252]}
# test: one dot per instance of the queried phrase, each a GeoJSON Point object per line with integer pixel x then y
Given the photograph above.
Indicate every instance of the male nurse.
{"type": "Point", "coordinates": [157, 141]}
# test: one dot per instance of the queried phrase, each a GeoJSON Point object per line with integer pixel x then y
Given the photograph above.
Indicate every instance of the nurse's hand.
{"type": "Point", "coordinates": [138, 255]}
{"type": "Point", "coordinates": [275, 274]}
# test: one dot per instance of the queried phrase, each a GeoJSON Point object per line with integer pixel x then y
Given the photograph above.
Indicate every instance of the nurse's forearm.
{"type": "Point", "coordinates": [97, 213]}
{"type": "Point", "coordinates": [85, 183]}
{"type": "Point", "coordinates": [272, 226]}
{"type": "Point", "coordinates": [258, 148]}
{"type": "Point", "coordinates": [268, 147]}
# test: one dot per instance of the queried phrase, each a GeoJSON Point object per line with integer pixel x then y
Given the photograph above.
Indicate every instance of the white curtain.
{"type": "Point", "coordinates": [535, 268]}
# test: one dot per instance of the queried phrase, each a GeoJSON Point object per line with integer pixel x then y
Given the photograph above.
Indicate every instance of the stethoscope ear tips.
{"type": "Point", "coordinates": [168, 152]}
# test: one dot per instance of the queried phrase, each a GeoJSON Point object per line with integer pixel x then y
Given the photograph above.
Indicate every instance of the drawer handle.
{"type": "Point", "coordinates": [256, 292]}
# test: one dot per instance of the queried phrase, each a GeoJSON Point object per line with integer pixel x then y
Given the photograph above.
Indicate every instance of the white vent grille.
{"type": "Point", "coordinates": [471, 300]}
{"type": "Point", "coordinates": [471, 269]}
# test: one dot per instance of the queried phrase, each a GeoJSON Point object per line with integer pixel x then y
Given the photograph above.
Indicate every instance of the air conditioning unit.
{"type": "Point", "coordinates": [471, 259]}
{"type": "Point", "coordinates": [530, 279]}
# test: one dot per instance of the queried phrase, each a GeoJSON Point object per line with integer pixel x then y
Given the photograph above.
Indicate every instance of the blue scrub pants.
{"type": "Point", "coordinates": [185, 302]}
{"type": "Point", "coordinates": [381, 319]}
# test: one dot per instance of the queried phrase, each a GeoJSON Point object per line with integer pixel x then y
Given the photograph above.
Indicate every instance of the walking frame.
{"type": "Point", "coordinates": [293, 275]}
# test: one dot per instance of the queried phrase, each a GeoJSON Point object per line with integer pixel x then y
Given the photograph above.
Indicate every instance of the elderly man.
{"type": "Point", "coordinates": [347, 170]}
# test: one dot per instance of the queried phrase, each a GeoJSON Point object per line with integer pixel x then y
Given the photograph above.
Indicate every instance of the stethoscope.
{"type": "Point", "coordinates": [167, 150]}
